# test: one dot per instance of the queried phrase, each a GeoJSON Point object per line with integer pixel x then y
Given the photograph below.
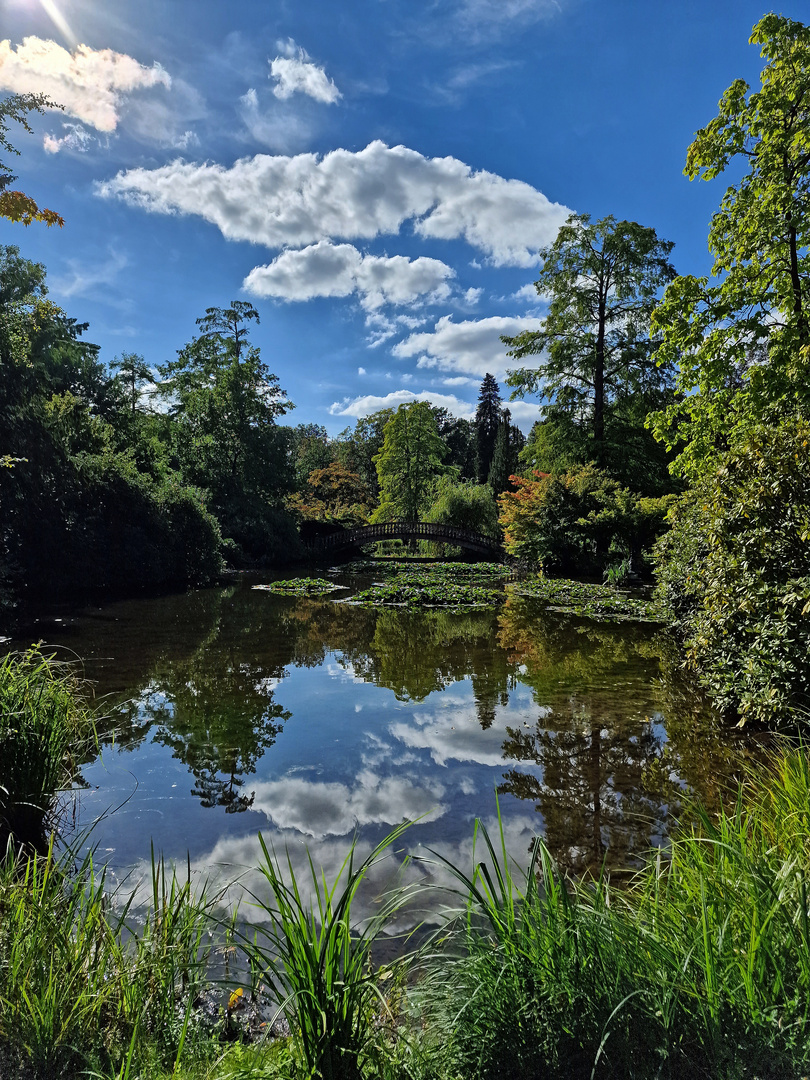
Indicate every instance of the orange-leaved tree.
{"type": "Point", "coordinates": [16, 205]}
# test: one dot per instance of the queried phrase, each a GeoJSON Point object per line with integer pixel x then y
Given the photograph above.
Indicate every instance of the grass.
{"type": "Point", "coordinates": [44, 729]}
{"type": "Point", "coordinates": [82, 981]}
{"type": "Point", "coordinates": [700, 969]}
{"type": "Point", "coordinates": [317, 962]}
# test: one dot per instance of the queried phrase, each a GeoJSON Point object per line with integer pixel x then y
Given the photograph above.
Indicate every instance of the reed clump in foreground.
{"type": "Point", "coordinates": [701, 968]}
{"type": "Point", "coordinates": [44, 729]}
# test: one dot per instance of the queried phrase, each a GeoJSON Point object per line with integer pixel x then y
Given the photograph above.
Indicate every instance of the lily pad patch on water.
{"type": "Point", "coordinates": [301, 587]}
{"type": "Point", "coordinates": [589, 599]}
{"type": "Point", "coordinates": [446, 594]}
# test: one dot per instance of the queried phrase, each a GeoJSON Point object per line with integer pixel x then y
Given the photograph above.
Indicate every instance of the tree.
{"type": "Point", "coordinates": [465, 505]}
{"type": "Point", "coordinates": [742, 340]}
{"type": "Point", "coordinates": [581, 520]}
{"type": "Point", "coordinates": [16, 205]}
{"type": "Point", "coordinates": [333, 494]}
{"type": "Point", "coordinates": [458, 436]}
{"type": "Point", "coordinates": [602, 281]}
{"type": "Point", "coordinates": [509, 442]}
{"type": "Point", "coordinates": [133, 373]}
{"type": "Point", "coordinates": [357, 449]}
{"type": "Point", "coordinates": [487, 421]}
{"type": "Point", "coordinates": [310, 449]}
{"type": "Point", "coordinates": [223, 404]}
{"type": "Point", "coordinates": [409, 463]}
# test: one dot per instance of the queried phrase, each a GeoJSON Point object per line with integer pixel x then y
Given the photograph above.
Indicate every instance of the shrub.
{"type": "Point", "coordinates": [735, 572]}
{"type": "Point", "coordinates": [579, 521]}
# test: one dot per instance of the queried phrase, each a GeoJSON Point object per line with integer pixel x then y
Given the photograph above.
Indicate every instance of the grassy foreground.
{"type": "Point", "coordinates": [701, 968]}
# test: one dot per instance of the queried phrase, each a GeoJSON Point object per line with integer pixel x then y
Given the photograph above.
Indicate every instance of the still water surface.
{"type": "Point", "coordinates": [235, 710]}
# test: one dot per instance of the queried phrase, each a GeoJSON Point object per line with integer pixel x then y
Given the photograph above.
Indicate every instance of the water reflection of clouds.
{"type": "Point", "coordinates": [230, 869]}
{"type": "Point", "coordinates": [451, 734]}
{"type": "Point", "coordinates": [318, 809]}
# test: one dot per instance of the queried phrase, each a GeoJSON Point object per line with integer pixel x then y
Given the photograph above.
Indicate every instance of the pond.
{"type": "Point", "coordinates": [232, 710]}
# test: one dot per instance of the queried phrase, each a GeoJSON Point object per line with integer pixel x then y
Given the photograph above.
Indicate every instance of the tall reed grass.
{"type": "Point", "coordinates": [317, 961]}
{"type": "Point", "coordinates": [82, 977]}
{"type": "Point", "coordinates": [700, 969]}
{"type": "Point", "coordinates": [44, 729]}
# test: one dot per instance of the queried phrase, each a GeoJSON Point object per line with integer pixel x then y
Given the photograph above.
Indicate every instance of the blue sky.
{"type": "Point", "coordinates": [375, 176]}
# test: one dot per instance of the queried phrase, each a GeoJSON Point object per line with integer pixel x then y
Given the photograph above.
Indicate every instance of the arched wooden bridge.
{"type": "Point", "coordinates": [406, 530]}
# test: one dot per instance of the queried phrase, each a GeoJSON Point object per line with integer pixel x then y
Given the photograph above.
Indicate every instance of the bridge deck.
{"type": "Point", "coordinates": [407, 530]}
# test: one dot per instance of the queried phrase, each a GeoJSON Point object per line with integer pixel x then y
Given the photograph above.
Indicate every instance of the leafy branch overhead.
{"type": "Point", "coordinates": [16, 205]}
{"type": "Point", "coordinates": [741, 339]}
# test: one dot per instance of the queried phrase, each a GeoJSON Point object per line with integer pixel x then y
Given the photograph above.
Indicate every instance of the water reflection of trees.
{"type": "Point", "coordinates": [201, 680]}
{"type": "Point", "coordinates": [214, 704]}
{"type": "Point", "coordinates": [619, 738]}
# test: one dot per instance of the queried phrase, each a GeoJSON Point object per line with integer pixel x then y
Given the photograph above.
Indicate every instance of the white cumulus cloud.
{"type": "Point", "coordinates": [326, 269]}
{"type": "Point", "coordinates": [370, 403]}
{"type": "Point", "coordinates": [284, 201]}
{"type": "Point", "coordinates": [89, 83]}
{"type": "Point", "coordinates": [472, 347]}
{"type": "Point", "coordinates": [295, 73]}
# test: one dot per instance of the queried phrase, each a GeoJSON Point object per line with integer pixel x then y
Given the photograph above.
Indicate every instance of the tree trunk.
{"type": "Point", "coordinates": [599, 387]}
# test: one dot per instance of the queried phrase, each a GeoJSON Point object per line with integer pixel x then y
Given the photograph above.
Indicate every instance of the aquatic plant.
{"type": "Point", "coordinates": [427, 594]}
{"type": "Point", "coordinates": [301, 586]}
{"type": "Point", "coordinates": [586, 598]}
{"type": "Point", "coordinates": [44, 729]}
{"type": "Point", "coordinates": [317, 962]}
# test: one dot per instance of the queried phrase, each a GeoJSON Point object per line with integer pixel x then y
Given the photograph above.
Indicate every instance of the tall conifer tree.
{"type": "Point", "coordinates": [487, 421]}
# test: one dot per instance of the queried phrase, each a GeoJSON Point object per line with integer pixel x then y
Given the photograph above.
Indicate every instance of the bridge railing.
{"type": "Point", "coordinates": [400, 530]}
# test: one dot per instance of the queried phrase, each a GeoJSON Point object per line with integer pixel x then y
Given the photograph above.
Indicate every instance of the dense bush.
{"type": "Point", "coordinates": [465, 505]}
{"type": "Point", "coordinates": [95, 521]}
{"type": "Point", "coordinates": [735, 572]}
{"type": "Point", "coordinates": [579, 521]}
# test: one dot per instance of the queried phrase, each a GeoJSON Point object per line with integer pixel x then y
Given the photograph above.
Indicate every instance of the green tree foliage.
{"type": "Point", "coordinates": [16, 205]}
{"type": "Point", "coordinates": [357, 449]}
{"type": "Point", "coordinates": [310, 449]}
{"type": "Point", "coordinates": [88, 502]}
{"type": "Point", "coordinates": [602, 282]}
{"type": "Point", "coordinates": [465, 505]}
{"type": "Point", "coordinates": [742, 339]}
{"type": "Point", "coordinates": [409, 463]}
{"type": "Point", "coordinates": [133, 373]}
{"type": "Point", "coordinates": [458, 436]}
{"type": "Point", "coordinates": [224, 403]}
{"type": "Point", "coordinates": [579, 521]}
{"type": "Point", "coordinates": [735, 571]}
{"type": "Point", "coordinates": [509, 443]}
{"type": "Point", "coordinates": [487, 421]}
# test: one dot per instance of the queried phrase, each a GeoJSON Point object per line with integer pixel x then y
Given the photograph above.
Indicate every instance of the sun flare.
{"type": "Point", "coordinates": [59, 21]}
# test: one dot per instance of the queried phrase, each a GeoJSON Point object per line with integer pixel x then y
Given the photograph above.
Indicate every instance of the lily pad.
{"type": "Point", "coordinates": [301, 587]}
